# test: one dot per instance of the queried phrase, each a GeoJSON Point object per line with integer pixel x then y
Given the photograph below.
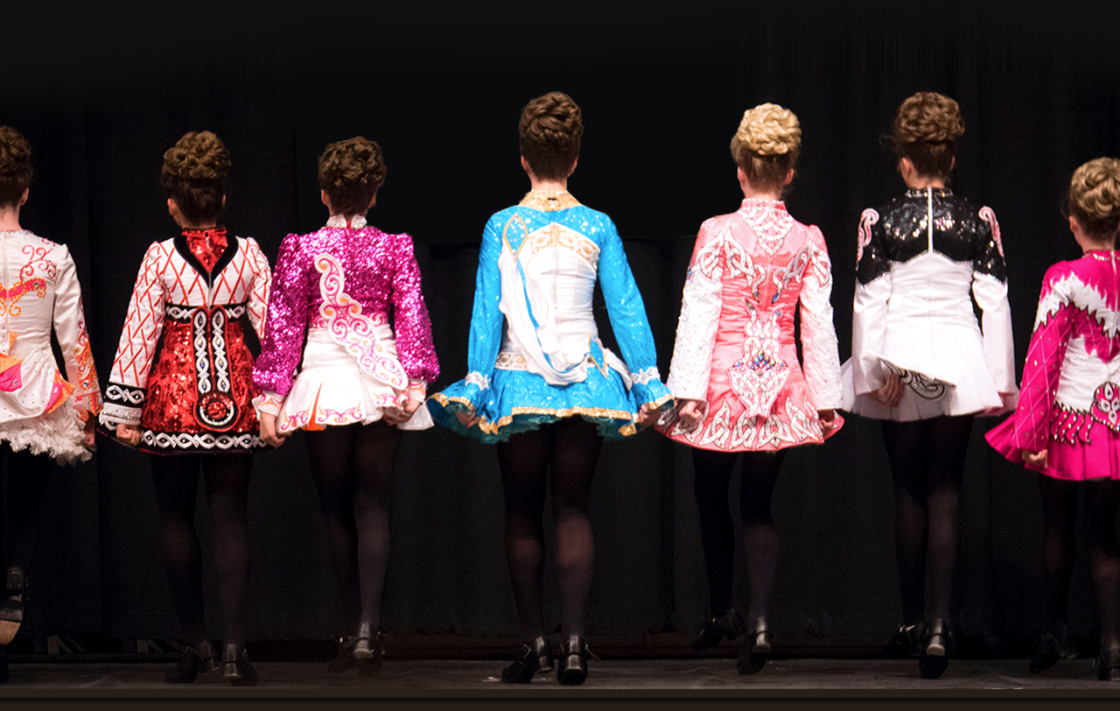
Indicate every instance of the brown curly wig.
{"type": "Point", "coordinates": [194, 175]}
{"type": "Point", "coordinates": [926, 131]}
{"type": "Point", "coordinates": [551, 127]}
{"type": "Point", "coordinates": [15, 166]}
{"type": "Point", "coordinates": [1094, 197]}
{"type": "Point", "coordinates": [350, 172]}
{"type": "Point", "coordinates": [766, 145]}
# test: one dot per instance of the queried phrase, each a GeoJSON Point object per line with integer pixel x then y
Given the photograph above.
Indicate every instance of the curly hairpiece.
{"type": "Point", "coordinates": [926, 131]}
{"type": "Point", "coordinates": [194, 175]}
{"type": "Point", "coordinates": [1094, 197]}
{"type": "Point", "coordinates": [551, 127]}
{"type": "Point", "coordinates": [767, 145]}
{"type": "Point", "coordinates": [15, 166]}
{"type": "Point", "coordinates": [350, 172]}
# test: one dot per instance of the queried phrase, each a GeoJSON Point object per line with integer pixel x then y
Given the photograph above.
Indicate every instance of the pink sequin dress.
{"type": "Point", "coordinates": [333, 291]}
{"type": "Point", "coordinates": [1070, 398]}
{"type": "Point", "coordinates": [735, 351]}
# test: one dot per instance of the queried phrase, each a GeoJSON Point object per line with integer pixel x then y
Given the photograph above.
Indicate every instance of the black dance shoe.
{"type": "Point", "coordinates": [534, 658]}
{"type": "Point", "coordinates": [935, 651]}
{"type": "Point", "coordinates": [345, 660]}
{"type": "Point", "coordinates": [1049, 649]}
{"type": "Point", "coordinates": [11, 607]}
{"type": "Point", "coordinates": [756, 648]}
{"type": "Point", "coordinates": [1108, 665]}
{"type": "Point", "coordinates": [572, 668]}
{"type": "Point", "coordinates": [731, 625]}
{"type": "Point", "coordinates": [236, 668]}
{"type": "Point", "coordinates": [369, 651]}
{"type": "Point", "coordinates": [906, 642]}
{"type": "Point", "coordinates": [192, 660]}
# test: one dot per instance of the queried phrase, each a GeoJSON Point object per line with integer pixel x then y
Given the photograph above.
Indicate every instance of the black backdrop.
{"type": "Point", "coordinates": [441, 91]}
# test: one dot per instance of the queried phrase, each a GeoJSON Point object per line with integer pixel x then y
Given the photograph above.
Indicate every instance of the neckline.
{"type": "Point", "coordinates": [357, 222]}
{"type": "Point", "coordinates": [548, 200]}
{"type": "Point", "coordinates": [921, 192]}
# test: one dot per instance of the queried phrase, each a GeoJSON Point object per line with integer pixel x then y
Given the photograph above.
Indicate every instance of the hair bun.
{"type": "Point", "coordinates": [1094, 195]}
{"type": "Point", "coordinates": [350, 172]}
{"type": "Point", "coordinates": [199, 155]}
{"type": "Point", "coordinates": [15, 152]}
{"type": "Point", "coordinates": [928, 117]}
{"type": "Point", "coordinates": [770, 130]}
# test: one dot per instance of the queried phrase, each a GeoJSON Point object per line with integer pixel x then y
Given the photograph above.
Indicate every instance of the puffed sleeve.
{"type": "Point", "coordinates": [285, 327]}
{"type": "Point", "coordinates": [70, 328]}
{"type": "Point", "coordinates": [412, 327]}
{"type": "Point", "coordinates": [628, 320]}
{"type": "Point", "coordinates": [259, 285]}
{"type": "Point", "coordinates": [701, 305]}
{"type": "Point", "coordinates": [869, 308]}
{"type": "Point", "coordinates": [818, 334]}
{"type": "Point", "coordinates": [128, 380]}
{"type": "Point", "coordinates": [989, 287]}
{"type": "Point", "coordinates": [1043, 369]}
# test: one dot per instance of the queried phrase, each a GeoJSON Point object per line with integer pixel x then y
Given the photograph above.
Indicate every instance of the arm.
{"type": "Point", "coordinates": [1043, 369]}
{"type": "Point", "coordinates": [869, 317]}
{"type": "Point", "coordinates": [818, 335]}
{"type": "Point", "coordinates": [128, 380]}
{"type": "Point", "coordinates": [701, 305]}
{"type": "Point", "coordinates": [259, 286]}
{"type": "Point", "coordinates": [628, 320]}
{"type": "Point", "coordinates": [70, 328]}
{"type": "Point", "coordinates": [989, 288]}
{"type": "Point", "coordinates": [412, 327]}
{"type": "Point", "coordinates": [285, 328]}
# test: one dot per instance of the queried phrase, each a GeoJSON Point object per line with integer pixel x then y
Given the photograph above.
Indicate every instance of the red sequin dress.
{"type": "Point", "coordinates": [189, 304]}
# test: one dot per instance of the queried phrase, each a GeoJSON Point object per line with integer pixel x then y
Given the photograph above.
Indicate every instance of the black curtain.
{"type": "Point", "coordinates": [661, 97]}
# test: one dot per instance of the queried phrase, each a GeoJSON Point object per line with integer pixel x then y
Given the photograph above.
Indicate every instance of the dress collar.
{"type": "Point", "coordinates": [357, 222]}
{"type": "Point", "coordinates": [548, 201]}
{"type": "Point", "coordinates": [921, 192]}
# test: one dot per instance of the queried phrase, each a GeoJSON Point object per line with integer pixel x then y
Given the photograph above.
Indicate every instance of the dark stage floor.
{"type": "Point", "coordinates": [467, 679]}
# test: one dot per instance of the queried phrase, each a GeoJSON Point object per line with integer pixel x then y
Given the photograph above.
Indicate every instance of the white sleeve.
{"type": "Point", "coordinates": [699, 320]}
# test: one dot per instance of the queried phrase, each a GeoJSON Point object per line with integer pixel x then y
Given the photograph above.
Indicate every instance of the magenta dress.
{"type": "Point", "coordinates": [1070, 400]}
{"type": "Point", "coordinates": [751, 270]}
{"type": "Point", "coordinates": [333, 293]}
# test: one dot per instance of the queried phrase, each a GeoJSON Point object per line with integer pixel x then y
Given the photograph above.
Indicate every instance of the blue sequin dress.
{"type": "Point", "coordinates": [534, 354]}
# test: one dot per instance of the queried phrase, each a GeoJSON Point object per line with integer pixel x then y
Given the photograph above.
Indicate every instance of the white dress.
{"type": "Point", "coordinates": [919, 258]}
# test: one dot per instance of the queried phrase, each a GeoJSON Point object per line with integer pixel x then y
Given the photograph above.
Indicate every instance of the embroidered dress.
{"type": "Point", "coordinates": [39, 409]}
{"type": "Point", "coordinates": [1070, 403]}
{"type": "Point", "coordinates": [534, 352]}
{"type": "Point", "coordinates": [336, 288]}
{"type": "Point", "coordinates": [918, 258]}
{"type": "Point", "coordinates": [189, 302]}
{"type": "Point", "coordinates": [735, 348]}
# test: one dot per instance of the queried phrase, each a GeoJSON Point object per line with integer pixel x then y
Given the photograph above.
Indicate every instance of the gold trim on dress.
{"type": "Point", "coordinates": [628, 429]}
{"type": "Point", "coordinates": [656, 404]}
{"type": "Point", "coordinates": [445, 401]}
{"type": "Point", "coordinates": [548, 201]}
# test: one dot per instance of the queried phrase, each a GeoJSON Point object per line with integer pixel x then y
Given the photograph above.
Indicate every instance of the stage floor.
{"type": "Point", "coordinates": [467, 679]}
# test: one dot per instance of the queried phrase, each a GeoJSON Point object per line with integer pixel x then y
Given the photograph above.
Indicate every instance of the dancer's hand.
{"type": "Point", "coordinates": [648, 416]}
{"type": "Point", "coordinates": [401, 415]}
{"type": "Point", "coordinates": [466, 420]}
{"type": "Point", "coordinates": [89, 432]}
{"type": "Point", "coordinates": [1036, 460]}
{"type": "Point", "coordinates": [691, 414]}
{"type": "Point", "coordinates": [828, 419]}
{"type": "Point", "coordinates": [128, 434]}
{"type": "Point", "coordinates": [268, 430]}
{"type": "Point", "coordinates": [891, 393]}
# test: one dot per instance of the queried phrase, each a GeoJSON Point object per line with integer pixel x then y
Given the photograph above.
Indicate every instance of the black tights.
{"type": "Point", "coordinates": [1059, 545]}
{"type": "Point", "coordinates": [571, 447]}
{"type": "Point", "coordinates": [927, 462]}
{"type": "Point", "coordinates": [353, 471]}
{"type": "Point", "coordinates": [19, 505]}
{"type": "Point", "coordinates": [717, 532]}
{"type": "Point", "coordinates": [227, 491]}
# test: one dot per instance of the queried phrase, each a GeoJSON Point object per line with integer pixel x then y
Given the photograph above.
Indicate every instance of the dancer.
{"type": "Point", "coordinates": [1067, 426]}
{"type": "Point", "coordinates": [360, 382]}
{"type": "Point", "coordinates": [41, 413]}
{"type": "Point", "coordinates": [536, 362]}
{"type": "Point", "coordinates": [920, 363]}
{"type": "Point", "coordinates": [735, 373]}
{"type": "Point", "coordinates": [192, 408]}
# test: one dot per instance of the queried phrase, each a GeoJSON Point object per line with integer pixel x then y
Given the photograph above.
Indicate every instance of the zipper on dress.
{"type": "Point", "coordinates": [929, 215]}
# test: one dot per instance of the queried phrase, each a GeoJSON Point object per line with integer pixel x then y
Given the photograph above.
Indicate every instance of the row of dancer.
{"type": "Point", "coordinates": [541, 385]}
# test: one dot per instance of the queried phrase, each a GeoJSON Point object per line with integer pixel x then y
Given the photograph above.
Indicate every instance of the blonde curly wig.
{"type": "Point", "coordinates": [15, 166]}
{"type": "Point", "coordinates": [926, 130]}
{"type": "Point", "coordinates": [767, 144]}
{"type": "Point", "coordinates": [1094, 196]}
{"type": "Point", "coordinates": [194, 175]}
{"type": "Point", "coordinates": [350, 172]}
